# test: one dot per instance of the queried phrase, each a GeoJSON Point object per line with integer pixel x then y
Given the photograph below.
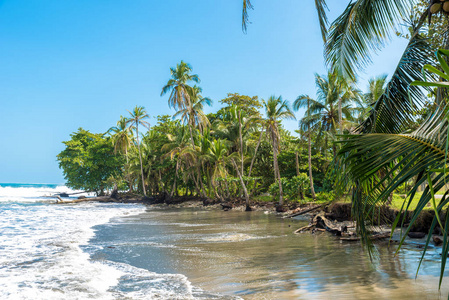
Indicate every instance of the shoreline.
{"type": "Point", "coordinates": [332, 217]}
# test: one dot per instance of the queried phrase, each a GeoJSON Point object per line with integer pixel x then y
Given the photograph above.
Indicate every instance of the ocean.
{"type": "Point", "coordinates": [42, 255]}
{"type": "Point", "coordinates": [133, 251]}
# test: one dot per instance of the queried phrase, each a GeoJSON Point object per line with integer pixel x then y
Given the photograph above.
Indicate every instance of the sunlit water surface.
{"type": "Point", "coordinates": [256, 256]}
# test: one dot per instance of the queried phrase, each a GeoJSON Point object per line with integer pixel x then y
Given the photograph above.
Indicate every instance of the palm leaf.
{"type": "Point", "coordinates": [364, 26]}
{"type": "Point", "coordinates": [321, 8]}
{"type": "Point", "coordinates": [394, 110]}
{"type": "Point", "coordinates": [245, 17]}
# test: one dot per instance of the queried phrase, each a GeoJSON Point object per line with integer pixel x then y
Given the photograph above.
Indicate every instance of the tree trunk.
{"type": "Point", "coordinates": [241, 140]}
{"type": "Point", "coordinates": [277, 174]}
{"type": "Point", "coordinates": [176, 176]}
{"type": "Point", "coordinates": [297, 163]}
{"type": "Point", "coordinates": [140, 158]}
{"type": "Point", "coordinates": [312, 189]}
{"type": "Point", "coordinates": [202, 191]}
{"type": "Point", "coordinates": [340, 117]}
{"type": "Point", "coordinates": [245, 191]}
{"type": "Point", "coordinates": [309, 139]}
{"type": "Point", "coordinates": [255, 153]}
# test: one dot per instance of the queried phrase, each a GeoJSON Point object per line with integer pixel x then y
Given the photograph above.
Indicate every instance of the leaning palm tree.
{"type": "Point", "coordinates": [137, 117]}
{"type": "Point", "coordinates": [276, 109]}
{"type": "Point", "coordinates": [178, 85]}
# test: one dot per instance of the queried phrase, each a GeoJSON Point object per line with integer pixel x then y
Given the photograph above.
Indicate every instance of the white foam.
{"type": "Point", "coordinates": [34, 193]}
{"type": "Point", "coordinates": [41, 257]}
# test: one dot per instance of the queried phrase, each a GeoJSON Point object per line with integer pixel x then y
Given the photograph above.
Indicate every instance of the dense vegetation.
{"type": "Point", "coordinates": [241, 151]}
{"type": "Point", "coordinates": [394, 137]}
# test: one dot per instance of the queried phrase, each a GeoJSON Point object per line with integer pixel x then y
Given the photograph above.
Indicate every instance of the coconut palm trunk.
{"type": "Point", "coordinates": [255, 153]}
{"type": "Point", "coordinates": [245, 191]}
{"type": "Point", "coordinates": [340, 116]}
{"type": "Point", "coordinates": [241, 140]}
{"type": "Point", "coordinates": [309, 146]}
{"type": "Point", "coordinates": [277, 173]}
{"type": "Point", "coordinates": [140, 158]}
{"type": "Point", "coordinates": [297, 163]}
{"type": "Point", "coordinates": [176, 176]}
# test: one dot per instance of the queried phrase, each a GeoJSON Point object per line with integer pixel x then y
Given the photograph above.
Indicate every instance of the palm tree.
{"type": "Point", "coordinates": [193, 114]}
{"type": "Point", "coordinates": [176, 147]}
{"type": "Point", "coordinates": [300, 102]}
{"type": "Point", "coordinates": [276, 109]}
{"type": "Point", "coordinates": [137, 117]}
{"type": "Point", "coordinates": [376, 88]}
{"type": "Point", "coordinates": [334, 98]}
{"type": "Point", "coordinates": [362, 29]}
{"type": "Point", "coordinates": [178, 85]}
{"type": "Point", "coordinates": [122, 138]}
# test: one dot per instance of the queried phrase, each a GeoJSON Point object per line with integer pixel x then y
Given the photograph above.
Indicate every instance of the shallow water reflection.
{"type": "Point", "coordinates": [256, 256]}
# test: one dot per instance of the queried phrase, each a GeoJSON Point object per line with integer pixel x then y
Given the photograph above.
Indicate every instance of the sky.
{"type": "Point", "coordinates": [83, 63]}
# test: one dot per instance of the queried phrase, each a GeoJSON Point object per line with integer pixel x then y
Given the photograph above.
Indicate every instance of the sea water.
{"type": "Point", "coordinates": [42, 255]}
{"type": "Point", "coordinates": [132, 251]}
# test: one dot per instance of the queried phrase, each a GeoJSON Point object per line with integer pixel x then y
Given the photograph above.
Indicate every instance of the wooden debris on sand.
{"type": "Point", "coordinates": [299, 211]}
{"type": "Point", "coordinates": [321, 222]}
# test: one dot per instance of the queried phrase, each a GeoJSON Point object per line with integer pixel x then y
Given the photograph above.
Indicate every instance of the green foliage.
{"type": "Point", "coordinates": [325, 197]}
{"type": "Point", "coordinates": [88, 161]}
{"type": "Point", "coordinates": [250, 105]}
{"type": "Point", "coordinates": [293, 188]}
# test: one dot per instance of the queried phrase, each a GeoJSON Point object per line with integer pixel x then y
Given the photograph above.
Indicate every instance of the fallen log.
{"type": "Point", "coordinates": [303, 212]}
{"type": "Point", "coordinates": [95, 199]}
{"type": "Point", "coordinates": [303, 228]}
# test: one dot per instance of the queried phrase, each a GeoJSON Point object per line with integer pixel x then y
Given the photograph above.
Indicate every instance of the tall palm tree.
{"type": "Point", "coordinates": [137, 117]}
{"type": "Point", "coordinates": [276, 109]}
{"type": "Point", "coordinates": [301, 101]}
{"type": "Point", "coordinates": [178, 85]}
{"type": "Point", "coordinates": [376, 88]}
{"type": "Point", "coordinates": [193, 114]}
{"type": "Point", "coordinates": [122, 138]}
{"type": "Point", "coordinates": [176, 147]}
{"type": "Point", "coordinates": [333, 98]}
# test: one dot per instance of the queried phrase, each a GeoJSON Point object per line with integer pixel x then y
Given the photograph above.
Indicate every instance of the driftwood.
{"type": "Point", "coordinates": [320, 221]}
{"type": "Point", "coordinates": [304, 211]}
{"type": "Point", "coordinates": [95, 199]}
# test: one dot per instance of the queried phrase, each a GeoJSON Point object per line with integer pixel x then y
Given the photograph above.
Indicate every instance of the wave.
{"type": "Point", "coordinates": [29, 193]}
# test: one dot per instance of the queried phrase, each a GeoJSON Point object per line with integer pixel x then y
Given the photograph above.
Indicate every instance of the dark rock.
{"type": "Point", "coordinates": [248, 208]}
{"type": "Point", "coordinates": [227, 206]}
{"type": "Point", "coordinates": [82, 197]}
{"type": "Point", "coordinates": [208, 201]}
{"type": "Point", "coordinates": [437, 240]}
{"type": "Point", "coordinates": [416, 235]}
{"type": "Point", "coordinates": [281, 208]}
{"type": "Point", "coordinates": [114, 193]}
{"type": "Point", "coordinates": [63, 195]}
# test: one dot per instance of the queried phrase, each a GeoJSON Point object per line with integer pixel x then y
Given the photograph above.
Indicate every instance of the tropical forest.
{"type": "Point", "coordinates": [366, 162]}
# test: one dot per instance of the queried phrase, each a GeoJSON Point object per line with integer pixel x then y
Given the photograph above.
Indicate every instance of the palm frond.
{"type": "Point", "coordinates": [364, 26]}
{"type": "Point", "coordinates": [321, 8]}
{"type": "Point", "coordinates": [245, 17]}
{"type": "Point", "coordinates": [394, 110]}
{"type": "Point", "coordinates": [398, 158]}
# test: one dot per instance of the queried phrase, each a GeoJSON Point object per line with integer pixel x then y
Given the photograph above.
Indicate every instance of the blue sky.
{"type": "Point", "coordinates": [70, 64]}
